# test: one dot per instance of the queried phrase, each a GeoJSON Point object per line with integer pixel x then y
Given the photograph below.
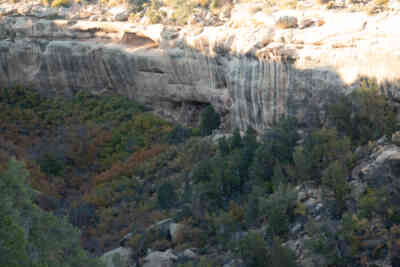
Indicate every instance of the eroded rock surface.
{"type": "Point", "coordinates": [250, 71]}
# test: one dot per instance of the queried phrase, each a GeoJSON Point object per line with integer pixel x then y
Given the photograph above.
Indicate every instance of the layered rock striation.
{"type": "Point", "coordinates": [251, 71]}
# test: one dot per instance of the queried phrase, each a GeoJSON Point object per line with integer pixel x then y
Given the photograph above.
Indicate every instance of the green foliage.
{"type": "Point", "coordinates": [320, 148]}
{"type": "Point", "coordinates": [253, 250]}
{"type": "Point", "coordinates": [13, 247]}
{"type": "Point", "coordinates": [46, 241]}
{"type": "Point", "coordinates": [138, 5]}
{"type": "Point", "coordinates": [223, 146]}
{"type": "Point", "coordinates": [281, 256]}
{"type": "Point", "coordinates": [279, 208]}
{"type": "Point", "coordinates": [325, 241]}
{"type": "Point", "coordinates": [87, 146]}
{"type": "Point", "coordinates": [257, 253]}
{"type": "Point", "coordinates": [335, 178]}
{"type": "Point", "coordinates": [178, 135]}
{"type": "Point", "coordinates": [202, 172]}
{"type": "Point", "coordinates": [278, 147]}
{"type": "Point", "coordinates": [372, 203]}
{"type": "Point", "coordinates": [303, 166]}
{"type": "Point", "coordinates": [51, 165]}
{"type": "Point", "coordinates": [166, 196]}
{"type": "Point", "coordinates": [253, 209]}
{"type": "Point", "coordinates": [263, 164]}
{"type": "Point", "coordinates": [278, 178]}
{"type": "Point", "coordinates": [236, 140]}
{"type": "Point", "coordinates": [364, 115]}
{"type": "Point", "coordinates": [113, 152]}
{"type": "Point", "coordinates": [209, 120]}
{"type": "Point", "coordinates": [282, 138]}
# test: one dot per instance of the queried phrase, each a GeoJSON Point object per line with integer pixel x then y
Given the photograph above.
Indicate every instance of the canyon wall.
{"type": "Point", "coordinates": [251, 75]}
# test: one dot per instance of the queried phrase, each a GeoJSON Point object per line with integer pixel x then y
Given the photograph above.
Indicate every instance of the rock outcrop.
{"type": "Point", "coordinates": [119, 257]}
{"type": "Point", "coordinates": [159, 259]}
{"type": "Point", "coordinates": [251, 72]}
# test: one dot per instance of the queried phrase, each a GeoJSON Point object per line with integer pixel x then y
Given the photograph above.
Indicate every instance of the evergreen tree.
{"type": "Point", "coordinates": [167, 196]}
{"type": "Point", "coordinates": [281, 256]}
{"type": "Point", "coordinates": [263, 165]}
{"type": "Point", "coordinates": [302, 168]}
{"type": "Point", "coordinates": [278, 177]}
{"type": "Point", "coordinates": [30, 236]}
{"type": "Point", "coordinates": [253, 250]}
{"type": "Point", "coordinates": [178, 135]}
{"type": "Point", "coordinates": [202, 172]}
{"type": "Point", "coordinates": [236, 140]}
{"type": "Point", "coordinates": [223, 146]}
{"type": "Point", "coordinates": [335, 179]}
{"type": "Point", "coordinates": [282, 138]}
{"type": "Point", "coordinates": [209, 120]}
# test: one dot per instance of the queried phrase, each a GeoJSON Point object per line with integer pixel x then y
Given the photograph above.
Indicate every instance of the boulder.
{"type": "Point", "coordinates": [119, 13]}
{"type": "Point", "coordinates": [160, 259]}
{"type": "Point", "coordinates": [286, 22]}
{"type": "Point", "coordinates": [119, 257]}
{"type": "Point", "coordinates": [305, 23]}
{"type": "Point", "coordinates": [189, 254]}
{"type": "Point", "coordinates": [396, 138]}
{"type": "Point", "coordinates": [163, 225]}
{"type": "Point", "coordinates": [382, 168]}
{"type": "Point", "coordinates": [174, 230]}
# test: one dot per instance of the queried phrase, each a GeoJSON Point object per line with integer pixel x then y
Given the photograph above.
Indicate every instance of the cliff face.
{"type": "Point", "coordinates": [251, 74]}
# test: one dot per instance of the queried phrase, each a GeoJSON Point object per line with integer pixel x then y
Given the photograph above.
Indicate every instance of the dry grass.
{"type": "Point", "coordinates": [287, 4]}
{"type": "Point", "coordinates": [61, 3]}
{"type": "Point", "coordinates": [381, 2]}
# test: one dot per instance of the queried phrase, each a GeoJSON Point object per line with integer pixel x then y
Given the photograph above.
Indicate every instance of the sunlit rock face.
{"type": "Point", "coordinates": [249, 91]}
{"type": "Point", "coordinates": [250, 74]}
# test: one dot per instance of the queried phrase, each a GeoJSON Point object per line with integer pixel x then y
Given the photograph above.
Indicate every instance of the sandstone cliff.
{"type": "Point", "coordinates": [250, 69]}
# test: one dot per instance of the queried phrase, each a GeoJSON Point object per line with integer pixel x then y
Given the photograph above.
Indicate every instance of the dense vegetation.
{"type": "Point", "coordinates": [30, 236]}
{"type": "Point", "coordinates": [111, 167]}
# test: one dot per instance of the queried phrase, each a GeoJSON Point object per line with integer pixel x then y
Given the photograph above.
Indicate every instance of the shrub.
{"type": "Point", "coordinates": [166, 196]}
{"type": "Point", "coordinates": [51, 165]}
{"type": "Point", "coordinates": [279, 208]}
{"type": "Point", "coordinates": [82, 215]}
{"type": "Point", "coordinates": [263, 165]}
{"type": "Point", "coordinates": [281, 256]}
{"type": "Point", "coordinates": [236, 140]}
{"type": "Point", "coordinates": [209, 120]}
{"type": "Point", "coordinates": [178, 135]}
{"type": "Point", "coordinates": [372, 202]}
{"type": "Point", "coordinates": [323, 241]}
{"type": "Point", "coordinates": [363, 115]}
{"type": "Point", "coordinates": [61, 3]}
{"type": "Point", "coordinates": [252, 210]}
{"type": "Point", "coordinates": [320, 148]}
{"type": "Point", "coordinates": [154, 16]}
{"type": "Point", "coordinates": [282, 138]}
{"type": "Point", "coordinates": [335, 178]}
{"type": "Point", "coordinates": [183, 9]}
{"type": "Point", "coordinates": [153, 12]}
{"type": "Point", "coordinates": [253, 250]}
{"type": "Point", "coordinates": [138, 5]}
